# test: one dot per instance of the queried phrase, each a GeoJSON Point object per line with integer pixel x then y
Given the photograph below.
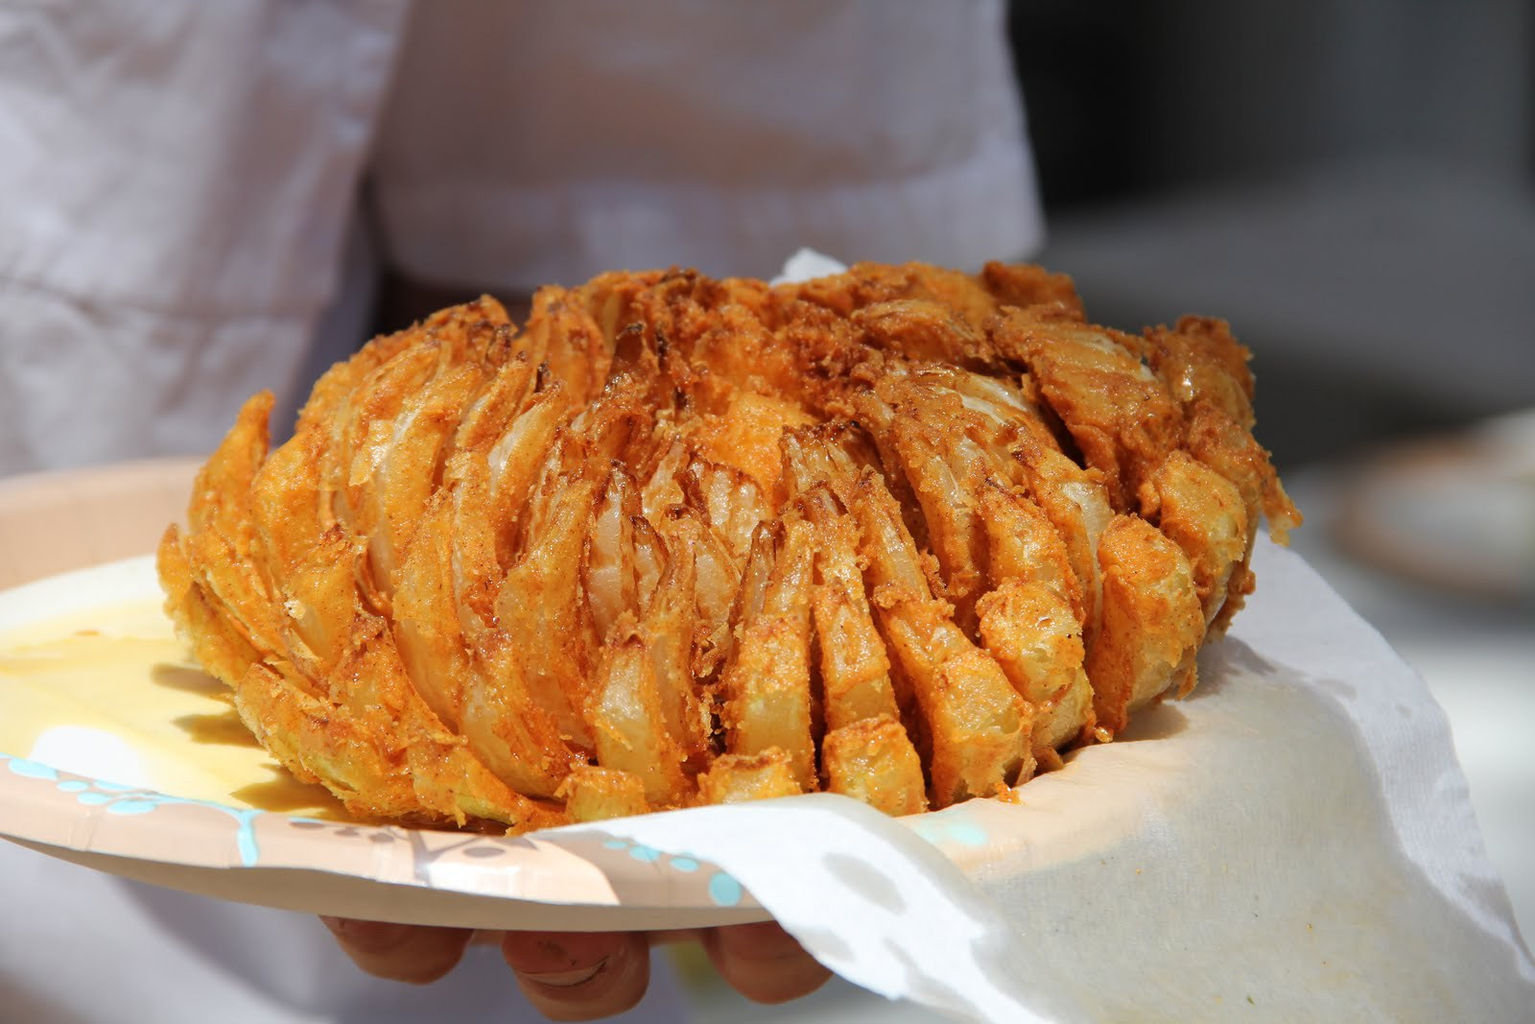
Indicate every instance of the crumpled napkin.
{"type": "Point", "coordinates": [1292, 842]}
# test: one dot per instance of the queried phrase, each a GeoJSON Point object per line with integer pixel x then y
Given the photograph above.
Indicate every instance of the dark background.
{"type": "Point", "coordinates": [1350, 183]}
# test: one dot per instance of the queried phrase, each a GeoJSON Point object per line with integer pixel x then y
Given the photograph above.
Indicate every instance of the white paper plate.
{"type": "Point", "coordinates": [117, 753]}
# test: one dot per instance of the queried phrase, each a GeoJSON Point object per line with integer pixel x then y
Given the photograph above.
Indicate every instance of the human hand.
{"type": "Point", "coordinates": [585, 975]}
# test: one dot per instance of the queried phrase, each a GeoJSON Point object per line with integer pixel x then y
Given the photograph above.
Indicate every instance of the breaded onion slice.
{"type": "Point", "coordinates": [903, 533]}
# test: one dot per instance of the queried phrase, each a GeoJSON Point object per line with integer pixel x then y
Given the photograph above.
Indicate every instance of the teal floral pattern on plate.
{"type": "Point", "coordinates": [950, 826]}
{"type": "Point", "coordinates": [98, 818]}
{"type": "Point", "coordinates": [723, 889]}
{"type": "Point", "coordinates": [126, 800]}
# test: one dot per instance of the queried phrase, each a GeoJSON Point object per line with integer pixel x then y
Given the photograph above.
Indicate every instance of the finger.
{"type": "Point", "coordinates": [401, 952]}
{"type": "Point", "coordinates": [579, 976]}
{"type": "Point", "coordinates": [763, 962]}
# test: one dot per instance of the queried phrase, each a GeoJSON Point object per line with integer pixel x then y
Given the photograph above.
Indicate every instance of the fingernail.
{"type": "Point", "coordinates": [571, 978]}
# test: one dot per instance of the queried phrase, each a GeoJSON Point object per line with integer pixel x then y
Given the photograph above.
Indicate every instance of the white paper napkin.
{"type": "Point", "coordinates": [1292, 842]}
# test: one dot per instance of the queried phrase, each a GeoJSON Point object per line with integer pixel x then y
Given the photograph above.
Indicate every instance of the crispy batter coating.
{"type": "Point", "coordinates": [902, 533]}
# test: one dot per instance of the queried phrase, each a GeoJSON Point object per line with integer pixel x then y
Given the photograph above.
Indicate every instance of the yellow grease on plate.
{"type": "Point", "coordinates": [110, 693]}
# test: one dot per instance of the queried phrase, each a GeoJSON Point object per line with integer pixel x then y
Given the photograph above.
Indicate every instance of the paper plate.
{"type": "Point", "coordinates": [1455, 512]}
{"type": "Point", "coordinates": [120, 755]}
{"type": "Point", "coordinates": [117, 753]}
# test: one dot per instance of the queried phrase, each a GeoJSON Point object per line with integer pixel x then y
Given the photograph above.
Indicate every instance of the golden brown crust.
{"type": "Point", "coordinates": [902, 533]}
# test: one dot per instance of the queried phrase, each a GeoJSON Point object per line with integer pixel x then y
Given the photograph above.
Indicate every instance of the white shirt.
{"type": "Point", "coordinates": [179, 227]}
{"type": "Point", "coordinates": [177, 177]}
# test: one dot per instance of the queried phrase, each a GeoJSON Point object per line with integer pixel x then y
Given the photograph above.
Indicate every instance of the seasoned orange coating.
{"type": "Point", "coordinates": [1205, 370]}
{"type": "Point", "coordinates": [1029, 621]}
{"type": "Point", "coordinates": [1203, 513]}
{"type": "Point", "coordinates": [1151, 624]}
{"type": "Point", "coordinates": [978, 727]}
{"type": "Point", "coordinates": [765, 688]}
{"type": "Point", "coordinates": [901, 533]}
{"type": "Point", "coordinates": [1116, 410]}
{"type": "Point", "coordinates": [873, 760]}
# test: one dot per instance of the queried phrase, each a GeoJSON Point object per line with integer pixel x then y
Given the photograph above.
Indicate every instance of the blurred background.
{"type": "Point", "coordinates": [1352, 185]}
{"type": "Point", "coordinates": [1349, 183]}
